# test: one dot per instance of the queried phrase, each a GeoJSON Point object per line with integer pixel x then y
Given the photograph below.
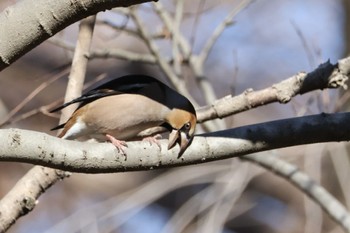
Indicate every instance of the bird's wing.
{"type": "Point", "coordinates": [88, 97]}
{"type": "Point", "coordinates": [126, 84]}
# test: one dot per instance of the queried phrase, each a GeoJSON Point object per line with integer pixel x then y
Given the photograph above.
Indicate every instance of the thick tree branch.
{"type": "Point", "coordinates": [85, 157]}
{"type": "Point", "coordinates": [41, 178]}
{"type": "Point", "coordinates": [22, 30]}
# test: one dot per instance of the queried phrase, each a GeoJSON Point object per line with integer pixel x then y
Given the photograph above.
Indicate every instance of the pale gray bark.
{"type": "Point", "coordinates": [22, 30]}
{"type": "Point", "coordinates": [42, 149]}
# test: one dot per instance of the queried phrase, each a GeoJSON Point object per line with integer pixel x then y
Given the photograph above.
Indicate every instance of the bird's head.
{"type": "Point", "coordinates": [182, 123]}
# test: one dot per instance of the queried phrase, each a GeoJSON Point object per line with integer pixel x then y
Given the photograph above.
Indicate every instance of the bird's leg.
{"type": "Point", "coordinates": [153, 139]}
{"type": "Point", "coordinates": [118, 144]}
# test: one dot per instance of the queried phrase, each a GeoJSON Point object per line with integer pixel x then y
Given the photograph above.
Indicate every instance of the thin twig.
{"type": "Point", "coordinates": [338, 154]}
{"type": "Point", "coordinates": [77, 75]}
{"type": "Point", "coordinates": [312, 165]}
{"type": "Point", "coordinates": [220, 28]}
{"type": "Point", "coordinates": [197, 67]}
{"type": "Point", "coordinates": [168, 22]}
{"type": "Point", "coordinates": [184, 46]}
{"type": "Point", "coordinates": [115, 53]}
{"type": "Point", "coordinates": [197, 16]}
{"type": "Point", "coordinates": [131, 202]}
{"type": "Point", "coordinates": [304, 43]}
{"type": "Point", "coordinates": [308, 186]}
{"type": "Point", "coordinates": [232, 187]}
{"type": "Point", "coordinates": [155, 51]}
{"type": "Point", "coordinates": [175, 48]}
{"type": "Point", "coordinates": [45, 109]}
{"type": "Point", "coordinates": [197, 62]}
{"type": "Point", "coordinates": [34, 93]}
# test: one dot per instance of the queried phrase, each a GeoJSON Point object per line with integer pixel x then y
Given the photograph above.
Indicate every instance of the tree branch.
{"type": "Point", "coordinates": [327, 75]}
{"type": "Point", "coordinates": [22, 30]}
{"type": "Point", "coordinates": [24, 197]}
{"type": "Point", "coordinates": [86, 157]}
{"type": "Point", "coordinates": [308, 186]}
{"type": "Point", "coordinates": [115, 53]}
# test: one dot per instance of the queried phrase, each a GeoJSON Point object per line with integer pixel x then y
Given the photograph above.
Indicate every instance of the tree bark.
{"type": "Point", "coordinates": [22, 30]}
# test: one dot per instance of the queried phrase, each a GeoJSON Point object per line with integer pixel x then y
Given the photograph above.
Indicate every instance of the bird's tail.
{"type": "Point", "coordinates": [60, 127]}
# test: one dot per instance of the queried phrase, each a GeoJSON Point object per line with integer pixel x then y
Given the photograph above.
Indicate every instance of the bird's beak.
{"type": "Point", "coordinates": [178, 136]}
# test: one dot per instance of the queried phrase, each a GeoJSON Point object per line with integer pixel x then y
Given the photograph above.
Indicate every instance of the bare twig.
{"type": "Point", "coordinates": [220, 28]}
{"type": "Point", "coordinates": [131, 202]}
{"type": "Point", "coordinates": [312, 166]}
{"type": "Point", "coordinates": [197, 62]}
{"type": "Point", "coordinates": [166, 68]}
{"type": "Point", "coordinates": [108, 53]}
{"type": "Point", "coordinates": [45, 109]}
{"type": "Point", "coordinates": [232, 178]}
{"type": "Point", "coordinates": [182, 43]}
{"type": "Point", "coordinates": [118, 27]}
{"type": "Point", "coordinates": [175, 48]}
{"type": "Point", "coordinates": [326, 75]}
{"type": "Point", "coordinates": [35, 92]}
{"type": "Point", "coordinates": [197, 16]}
{"type": "Point", "coordinates": [168, 22]}
{"type": "Point", "coordinates": [304, 43]}
{"type": "Point", "coordinates": [232, 187]}
{"type": "Point", "coordinates": [338, 154]}
{"type": "Point", "coordinates": [77, 75]}
{"type": "Point", "coordinates": [303, 182]}
{"type": "Point", "coordinates": [122, 54]}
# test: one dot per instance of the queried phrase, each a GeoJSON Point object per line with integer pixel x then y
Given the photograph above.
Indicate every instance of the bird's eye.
{"type": "Point", "coordinates": [187, 126]}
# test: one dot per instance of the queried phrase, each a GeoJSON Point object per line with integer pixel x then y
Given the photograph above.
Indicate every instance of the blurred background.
{"type": "Point", "coordinates": [268, 41]}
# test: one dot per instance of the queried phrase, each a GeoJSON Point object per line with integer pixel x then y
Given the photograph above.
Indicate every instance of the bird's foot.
{"type": "Point", "coordinates": [118, 144]}
{"type": "Point", "coordinates": [154, 139]}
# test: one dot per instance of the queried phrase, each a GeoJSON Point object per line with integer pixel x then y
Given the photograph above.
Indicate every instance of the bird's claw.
{"type": "Point", "coordinates": [153, 139]}
{"type": "Point", "coordinates": [118, 144]}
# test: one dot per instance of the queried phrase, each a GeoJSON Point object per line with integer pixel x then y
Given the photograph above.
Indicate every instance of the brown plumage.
{"type": "Point", "coordinates": [122, 108]}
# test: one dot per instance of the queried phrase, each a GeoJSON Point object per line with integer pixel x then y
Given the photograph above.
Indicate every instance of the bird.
{"type": "Point", "coordinates": [120, 109]}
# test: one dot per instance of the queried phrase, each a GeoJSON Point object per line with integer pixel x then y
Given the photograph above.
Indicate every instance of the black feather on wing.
{"type": "Point", "coordinates": [58, 127]}
{"type": "Point", "coordinates": [88, 97]}
{"type": "Point", "coordinates": [125, 84]}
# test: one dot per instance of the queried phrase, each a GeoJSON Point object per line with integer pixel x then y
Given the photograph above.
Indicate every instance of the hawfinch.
{"type": "Point", "coordinates": [119, 110]}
